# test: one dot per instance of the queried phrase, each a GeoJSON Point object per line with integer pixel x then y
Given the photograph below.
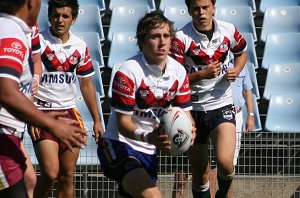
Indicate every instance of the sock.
{"type": "Point", "coordinates": [201, 191]}
{"type": "Point", "coordinates": [224, 185]}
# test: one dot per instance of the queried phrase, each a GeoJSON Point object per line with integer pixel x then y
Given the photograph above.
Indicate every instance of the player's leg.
{"type": "Point", "coordinates": [65, 183]}
{"type": "Point", "coordinates": [47, 155]}
{"type": "Point", "coordinates": [134, 171]}
{"type": "Point", "coordinates": [239, 134]}
{"type": "Point", "coordinates": [16, 191]}
{"type": "Point", "coordinates": [224, 146]}
{"type": "Point", "coordinates": [198, 157]}
{"type": "Point", "coordinates": [29, 174]}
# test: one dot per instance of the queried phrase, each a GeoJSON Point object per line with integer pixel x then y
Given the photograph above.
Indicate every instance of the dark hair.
{"type": "Point", "coordinates": [188, 2]}
{"type": "Point", "coordinates": [11, 6]}
{"type": "Point", "coordinates": [73, 4]}
{"type": "Point", "coordinates": [151, 21]}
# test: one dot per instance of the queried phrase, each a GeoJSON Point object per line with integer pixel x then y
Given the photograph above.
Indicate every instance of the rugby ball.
{"type": "Point", "coordinates": [178, 126]}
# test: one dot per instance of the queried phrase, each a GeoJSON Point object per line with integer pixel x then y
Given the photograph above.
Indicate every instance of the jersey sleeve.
{"type": "Point", "coordinates": [35, 40]}
{"type": "Point", "coordinates": [183, 97]}
{"type": "Point", "coordinates": [85, 67]}
{"type": "Point", "coordinates": [123, 94]}
{"type": "Point", "coordinates": [12, 56]}
{"type": "Point", "coordinates": [239, 42]}
{"type": "Point", "coordinates": [177, 50]}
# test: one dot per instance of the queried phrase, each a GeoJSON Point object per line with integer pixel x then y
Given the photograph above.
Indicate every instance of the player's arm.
{"type": "Point", "coordinates": [239, 63]}
{"type": "Point", "coordinates": [89, 95]}
{"type": "Point", "coordinates": [129, 129]}
{"type": "Point", "coordinates": [23, 109]}
{"type": "Point", "coordinates": [210, 71]}
{"type": "Point", "coordinates": [37, 65]}
{"type": "Point", "coordinates": [249, 104]}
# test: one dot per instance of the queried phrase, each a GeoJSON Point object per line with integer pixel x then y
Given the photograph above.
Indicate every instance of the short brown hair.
{"type": "Point", "coordinates": [188, 2]}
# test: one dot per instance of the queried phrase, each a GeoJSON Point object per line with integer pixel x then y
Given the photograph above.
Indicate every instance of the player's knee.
{"type": "Point", "coordinates": [30, 180]}
{"type": "Point", "coordinates": [226, 176]}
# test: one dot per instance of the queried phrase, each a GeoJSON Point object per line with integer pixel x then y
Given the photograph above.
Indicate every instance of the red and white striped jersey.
{"type": "Point", "coordinates": [36, 47]}
{"type": "Point", "coordinates": [145, 91]}
{"type": "Point", "coordinates": [62, 63]}
{"type": "Point", "coordinates": [194, 50]}
{"type": "Point", "coordinates": [15, 64]}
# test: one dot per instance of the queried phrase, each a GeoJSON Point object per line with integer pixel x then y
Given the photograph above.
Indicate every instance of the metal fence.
{"type": "Point", "coordinates": [268, 166]}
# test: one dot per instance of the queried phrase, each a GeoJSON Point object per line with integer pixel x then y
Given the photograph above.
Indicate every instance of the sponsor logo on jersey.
{"type": "Point", "coordinates": [25, 88]}
{"type": "Point", "coordinates": [151, 114]}
{"type": "Point", "coordinates": [58, 78]}
{"type": "Point", "coordinates": [175, 46]}
{"type": "Point", "coordinates": [14, 48]}
{"type": "Point", "coordinates": [120, 82]}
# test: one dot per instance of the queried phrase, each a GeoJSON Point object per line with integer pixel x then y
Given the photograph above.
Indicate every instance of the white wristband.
{"type": "Point", "coordinates": [141, 135]}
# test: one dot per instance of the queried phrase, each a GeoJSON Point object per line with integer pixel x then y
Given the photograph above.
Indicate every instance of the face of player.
{"type": "Point", "coordinates": [156, 45]}
{"type": "Point", "coordinates": [61, 20]}
{"type": "Point", "coordinates": [202, 13]}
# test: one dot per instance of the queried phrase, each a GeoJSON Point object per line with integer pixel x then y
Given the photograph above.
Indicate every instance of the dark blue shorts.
{"type": "Point", "coordinates": [208, 120]}
{"type": "Point", "coordinates": [117, 159]}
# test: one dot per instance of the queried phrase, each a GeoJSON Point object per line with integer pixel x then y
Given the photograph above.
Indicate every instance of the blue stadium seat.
{"type": "Point", "coordinates": [252, 73]}
{"type": "Point", "coordinates": [114, 70]}
{"type": "Point", "coordinates": [283, 113]}
{"type": "Point", "coordinates": [240, 16]}
{"type": "Point", "coordinates": [99, 3]}
{"type": "Point", "coordinates": [93, 43]}
{"type": "Point", "coordinates": [178, 14]}
{"type": "Point", "coordinates": [88, 155]}
{"type": "Point", "coordinates": [43, 18]}
{"type": "Point", "coordinates": [89, 20]}
{"type": "Point", "coordinates": [257, 122]}
{"type": "Point", "coordinates": [252, 57]}
{"type": "Point", "coordinates": [170, 3]}
{"type": "Point", "coordinates": [280, 19]}
{"type": "Point", "coordinates": [130, 16]}
{"type": "Point", "coordinates": [282, 79]}
{"type": "Point", "coordinates": [123, 46]}
{"type": "Point", "coordinates": [281, 48]}
{"type": "Point", "coordinates": [225, 3]}
{"type": "Point", "coordinates": [277, 3]}
{"type": "Point", "coordinates": [29, 148]}
{"type": "Point", "coordinates": [149, 3]}
{"type": "Point", "coordinates": [97, 79]}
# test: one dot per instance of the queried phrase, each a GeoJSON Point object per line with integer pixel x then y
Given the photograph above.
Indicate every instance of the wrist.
{"type": "Point", "coordinates": [251, 114]}
{"type": "Point", "coordinates": [141, 135]}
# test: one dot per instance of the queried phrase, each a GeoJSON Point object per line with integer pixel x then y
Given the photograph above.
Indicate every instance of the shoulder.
{"type": "Point", "coordinates": [132, 65]}
{"type": "Point", "coordinates": [224, 26]}
{"type": "Point", "coordinates": [176, 66]}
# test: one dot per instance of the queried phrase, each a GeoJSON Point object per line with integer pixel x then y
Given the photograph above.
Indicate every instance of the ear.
{"type": "Point", "coordinates": [73, 21]}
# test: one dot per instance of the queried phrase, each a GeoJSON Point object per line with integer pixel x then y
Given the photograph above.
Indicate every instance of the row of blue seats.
{"type": "Point", "coordinates": [167, 3]}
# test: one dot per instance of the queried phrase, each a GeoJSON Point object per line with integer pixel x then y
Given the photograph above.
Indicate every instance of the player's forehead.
{"type": "Point", "coordinates": [200, 3]}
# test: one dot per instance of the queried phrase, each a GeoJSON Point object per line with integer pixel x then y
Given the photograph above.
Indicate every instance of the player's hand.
{"type": "Point", "coordinates": [212, 70]}
{"type": "Point", "coordinates": [98, 130]}
{"type": "Point", "coordinates": [65, 131]}
{"type": "Point", "coordinates": [35, 85]}
{"type": "Point", "coordinates": [160, 139]}
{"type": "Point", "coordinates": [250, 123]}
{"type": "Point", "coordinates": [231, 74]}
{"type": "Point", "coordinates": [35, 133]}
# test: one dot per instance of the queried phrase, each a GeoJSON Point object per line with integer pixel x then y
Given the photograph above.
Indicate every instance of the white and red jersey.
{"type": "Point", "coordinates": [35, 41]}
{"type": "Point", "coordinates": [195, 51]}
{"type": "Point", "coordinates": [145, 91]}
{"type": "Point", "coordinates": [62, 63]}
{"type": "Point", "coordinates": [15, 64]}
